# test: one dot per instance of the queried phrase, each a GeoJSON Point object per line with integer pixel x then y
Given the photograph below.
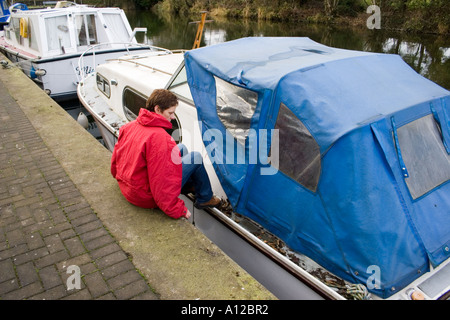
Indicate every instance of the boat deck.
{"type": "Point", "coordinates": [15, 50]}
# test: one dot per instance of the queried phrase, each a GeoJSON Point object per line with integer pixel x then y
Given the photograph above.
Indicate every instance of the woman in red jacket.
{"type": "Point", "coordinates": [147, 162]}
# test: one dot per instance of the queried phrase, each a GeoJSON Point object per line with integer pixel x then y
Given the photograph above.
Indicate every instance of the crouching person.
{"type": "Point", "coordinates": [147, 163]}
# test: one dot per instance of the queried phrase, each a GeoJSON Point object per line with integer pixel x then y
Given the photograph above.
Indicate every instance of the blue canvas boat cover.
{"type": "Point", "coordinates": [342, 154]}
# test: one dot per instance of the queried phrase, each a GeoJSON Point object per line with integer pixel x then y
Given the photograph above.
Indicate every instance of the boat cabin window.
{"type": "Point", "coordinates": [58, 36]}
{"type": "Point", "coordinates": [117, 27]}
{"type": "Point", "coordinates": [424, 155]}
{"type": "Point", "coordinates": [180, 85]}
{"type": "Point", "coordinates": [103, 85]}
{"type": "Point", "coordinates": [134, 101]}
{"type": "Point", "coordinates": [33, 35]}
{"type": "Point", "coordinates": [15, 23]}
{"type": "Point", "coordinates": [27, 32]}
{"type": "Point", "coordinates": [235, 108]}
{"type": "Point", "coordinates": [86, 29]}
{"type": "Point", "coordinates": [299, 154]}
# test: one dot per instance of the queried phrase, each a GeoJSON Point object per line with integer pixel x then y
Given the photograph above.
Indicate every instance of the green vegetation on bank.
{"type": "Point", "coordinates": [429, 16]}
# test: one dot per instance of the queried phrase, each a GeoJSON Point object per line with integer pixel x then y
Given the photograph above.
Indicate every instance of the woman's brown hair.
{"type": "Point", "coordinates": [162, 98]}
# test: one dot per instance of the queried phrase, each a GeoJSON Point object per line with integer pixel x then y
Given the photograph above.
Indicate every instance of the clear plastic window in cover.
{"type": "Point", "coordinates": [235, 108]}
{"type": "Point", "coordinates": [299, 153]}
{"type": "Point", "coordinates": [424, 155]}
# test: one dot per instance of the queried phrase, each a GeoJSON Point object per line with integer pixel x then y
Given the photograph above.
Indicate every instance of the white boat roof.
{"type": "Point", "coordinates": [53, 11]}
{"type": "Point", "coordinates": [162, 61]}
{"type": "Point", "coordinates": [143, 73]}
{"type": "Point", "coordinates": [48, 37]}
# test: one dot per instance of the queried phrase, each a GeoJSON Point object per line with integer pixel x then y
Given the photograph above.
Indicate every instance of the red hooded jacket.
{"type": "Point", "coordinates": [147, 165]}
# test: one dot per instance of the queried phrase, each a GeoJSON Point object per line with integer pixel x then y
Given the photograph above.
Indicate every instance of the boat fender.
{"type": "Point", "coordinates": [83, 120]}
{"type": "Point", "coordinates": [413, 294]}
{"type": "Point", "coordinates": [23, 27]}
{"type": "Point", "coordinates": [35, 73]}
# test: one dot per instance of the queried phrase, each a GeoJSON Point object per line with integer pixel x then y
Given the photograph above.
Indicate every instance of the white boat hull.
{"type": "Point", "coordinates": [109, 138]}
{"type": "Point", "coordinates": [48, 43]}
{"type": "Point", "coordinates": [62, 73]}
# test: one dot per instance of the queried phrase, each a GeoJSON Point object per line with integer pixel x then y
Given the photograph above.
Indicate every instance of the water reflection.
{"type": "Point", "coordinates": [427, 54]}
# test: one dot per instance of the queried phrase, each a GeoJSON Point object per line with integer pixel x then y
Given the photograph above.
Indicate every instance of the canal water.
{"type": "Point", "coordinates": [428, 54]}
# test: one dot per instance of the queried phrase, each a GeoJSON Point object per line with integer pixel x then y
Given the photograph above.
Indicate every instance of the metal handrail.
{"type": "Point", "coordinates": [127, 46]}
{"type": "Point", "coordinates": [135, 62]}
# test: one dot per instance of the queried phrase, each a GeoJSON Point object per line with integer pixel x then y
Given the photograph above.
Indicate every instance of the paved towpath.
{"type": "Point", "coordinates": [46, 226]}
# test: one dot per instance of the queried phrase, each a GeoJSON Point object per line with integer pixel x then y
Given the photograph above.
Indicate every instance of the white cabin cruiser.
{"type": "Point", "coordinates": [47, 43]}
{"type": "Point", "coordinates": [236, 90]}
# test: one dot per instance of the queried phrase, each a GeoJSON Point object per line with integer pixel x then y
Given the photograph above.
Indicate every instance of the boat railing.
{"type": "Point", "coordinates": [136, 62]}
{"type": "Point", "coordinates": [91, 51]}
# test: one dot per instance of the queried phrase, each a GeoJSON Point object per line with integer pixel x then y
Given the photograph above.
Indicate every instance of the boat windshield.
{"type": "Point", "coordinates": [180, 86]}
